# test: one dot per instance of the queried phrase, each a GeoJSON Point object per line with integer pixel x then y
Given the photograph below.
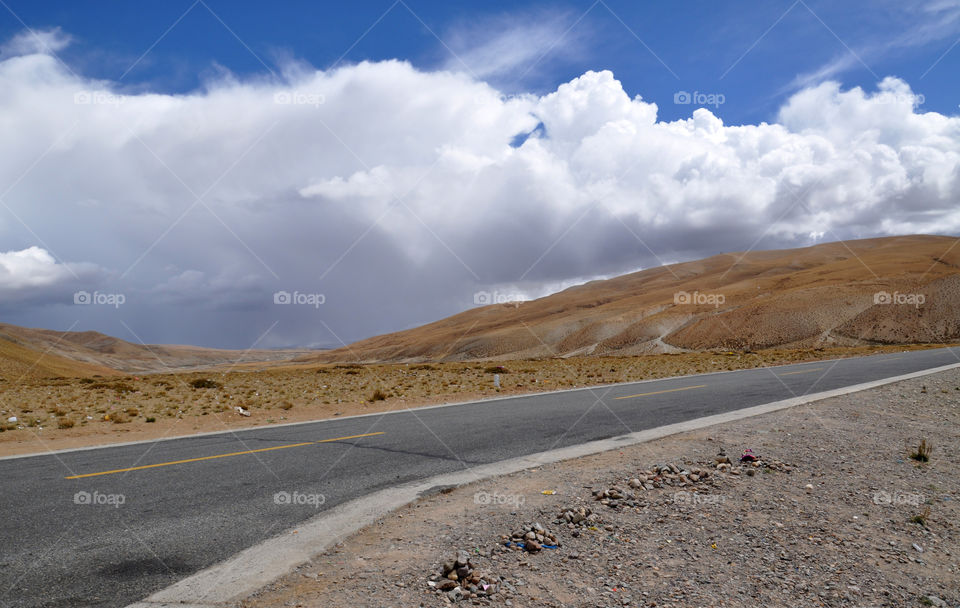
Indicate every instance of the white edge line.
{"type": "Point", "coordinates": [258, 566]}
{"type": "Point", "coordinates": [442, 405]}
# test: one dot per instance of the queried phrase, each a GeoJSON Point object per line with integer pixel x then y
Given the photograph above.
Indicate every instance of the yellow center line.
{"type": "Point", "coordinates": [167, 464]}
{"type": "Point", "coordinates": [805, 371]}
{"type": "Point", "coordinates": [672, 390]}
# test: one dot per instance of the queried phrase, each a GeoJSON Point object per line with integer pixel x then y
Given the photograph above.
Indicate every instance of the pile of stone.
{"type": "Point", "coordinates": [750, 467]}
{"type": "Point", "coordinates": [615, 497]}
{"type": "Point", "coordinates": [664, 475]}
{"type": "Point", "coordinates": [459, 579]}
{"type": "Point", "coordinates": [578, 517]}
{"type": "Point", "coordinates": [531, 538]}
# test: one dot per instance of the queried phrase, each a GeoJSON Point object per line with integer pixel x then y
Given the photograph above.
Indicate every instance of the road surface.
{"type": "Point", "coordinates": [110, 526]}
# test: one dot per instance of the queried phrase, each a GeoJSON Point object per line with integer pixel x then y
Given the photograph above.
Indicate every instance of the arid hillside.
{"type": "Point", "coordinates": [893, 290]}
{"type": "Point", "coordinates": [47, 352]}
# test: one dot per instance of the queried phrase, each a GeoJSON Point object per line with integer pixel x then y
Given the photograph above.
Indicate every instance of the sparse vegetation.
{"type": "Point", "coordinates": [303, 393]}
{"type": "Point", "coordinates": [64, 423]}
{"type": "Point", "coordinates": [205, 383]}
{"type": "Point", "coordinates": [922, 517]}
{"type": "Point", "coordinates": [923, 452]}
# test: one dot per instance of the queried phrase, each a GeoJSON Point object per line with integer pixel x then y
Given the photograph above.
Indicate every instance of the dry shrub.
{"type": "Point", "coordinates": [923, 452]}
{"type": "Point", "coordinates": [205, 383]}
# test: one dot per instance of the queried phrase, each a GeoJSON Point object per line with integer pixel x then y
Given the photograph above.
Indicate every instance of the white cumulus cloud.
{"type": "Point", "coordinates": [397, 193]}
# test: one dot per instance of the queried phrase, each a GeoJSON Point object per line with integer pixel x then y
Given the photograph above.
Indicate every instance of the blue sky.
{"type": "Point", "coordinates": [753, 53]}
{"type": "Point", "coordinates": [182, 163]}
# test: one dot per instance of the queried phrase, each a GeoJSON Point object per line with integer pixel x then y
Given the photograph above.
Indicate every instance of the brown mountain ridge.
{"type": "Point", "coordinates": [44, 352]}
{"type": "Point", "coordinates": [891, 290]}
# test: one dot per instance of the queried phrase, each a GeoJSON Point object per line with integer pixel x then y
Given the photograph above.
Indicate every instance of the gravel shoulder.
{"type": "Point", "coordinates": [836, 513]}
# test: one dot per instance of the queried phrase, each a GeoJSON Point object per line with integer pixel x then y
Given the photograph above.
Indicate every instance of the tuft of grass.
{"type": "Point", "coordinates": [151, 419]}
{"type": "Point", "coordinates": [923, 452]}
{"type": "Point", "coordinates": [64, 423]}
{"type": "Point", "coordinates": [922, 517]}
{"type": "Point", "coordinates": [285, 405]}
{"type": "Point", "coordinates": [205, 383]}
{"type": "Point", "coordinates": [378, 395]}
{"type": "Point", "coordinates": [496, 369]}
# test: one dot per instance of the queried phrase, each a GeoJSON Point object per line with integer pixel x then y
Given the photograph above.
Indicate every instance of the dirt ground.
{"type": "Point", "coordinates": [838, 513]}
{"type": "Point", "coordinates": [65, 412]}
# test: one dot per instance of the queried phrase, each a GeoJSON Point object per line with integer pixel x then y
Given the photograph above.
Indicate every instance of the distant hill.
{"type": "Point", "coordinates": [829, 294]}
{"type": "Point", "coordinates": [48, 352]}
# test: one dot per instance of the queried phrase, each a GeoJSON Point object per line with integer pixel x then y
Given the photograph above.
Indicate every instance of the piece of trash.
{"type": "Point", "coordinates": [713, 546]}
{"type": "Point", "coordinates": [242, 411]}
{"type": "Point", "coordinates": [12, 419]}
{"type": "Point", "coordinates": [748, 456]}
{"type": "Point", "coordinates": [549, 492]}
{"type": "Point", "coordinates": [523, 546]}
{"type": "Point", "coordinates": [496, 381]}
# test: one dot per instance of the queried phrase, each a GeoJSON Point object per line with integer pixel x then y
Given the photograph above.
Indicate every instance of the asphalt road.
{"type": "Point", "coordinates": [113, 536]}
